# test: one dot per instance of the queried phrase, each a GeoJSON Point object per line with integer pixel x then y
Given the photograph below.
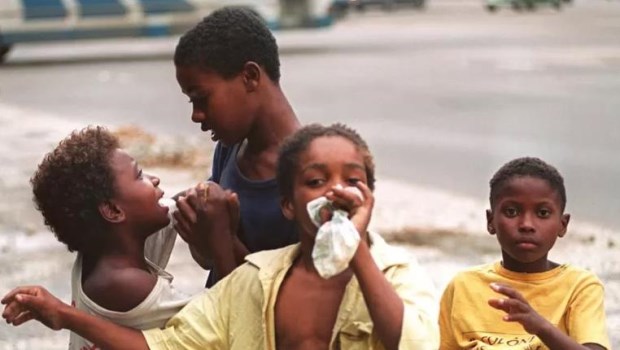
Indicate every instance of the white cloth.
{"type": "Point", "coordinates": [336, 240]}
{"type": "Point", "coordinates": [154, 311]}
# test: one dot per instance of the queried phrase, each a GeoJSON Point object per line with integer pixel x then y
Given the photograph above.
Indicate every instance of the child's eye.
{"type": "Point", "coordinates": [315, 182]}
{"type": "Point", "coordinates": [140, 174]}
{"type": "Point", "coordinates": [544, 213]}
{"type": "Point", "coordinates": [199, 100]}
{"type": "Point", "coordinates": [511, 212]}
{"type": "Point", "coordinates": [353, 181]}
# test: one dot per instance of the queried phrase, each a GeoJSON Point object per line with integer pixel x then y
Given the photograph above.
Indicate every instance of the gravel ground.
{"type": "Point", "coordinates": [445, 232]}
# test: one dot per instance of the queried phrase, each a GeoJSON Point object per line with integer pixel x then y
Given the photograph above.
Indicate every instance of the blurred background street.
{"type": "Point", "coordinates": [444, 96]}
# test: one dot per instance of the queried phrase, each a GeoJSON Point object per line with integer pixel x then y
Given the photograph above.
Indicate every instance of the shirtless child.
{"type": "Point", "coordinates": [277, 299]}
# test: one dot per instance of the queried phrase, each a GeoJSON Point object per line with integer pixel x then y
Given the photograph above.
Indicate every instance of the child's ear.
{"type": "Point", "coordinates": [564, 220]}
{"type": "Point", "coordinates": [490, 227]}
{"type": "Point", "coordinates": [287, 208]}
{"type": "Point", "coordinates": [251, 76]}
{"type": "Point", "coordinates": [111, 212]}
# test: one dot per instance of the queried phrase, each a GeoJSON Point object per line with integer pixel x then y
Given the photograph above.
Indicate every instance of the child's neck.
{"type": "Point", "coordinates": [123, 250]}
{"type": "Point", "coordinates": [540, 265]}
{"type": "Point", "coordinates": [276, 121]}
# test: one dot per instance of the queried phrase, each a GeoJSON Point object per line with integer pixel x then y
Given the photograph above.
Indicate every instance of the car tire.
{"type": "Point", "coordinates": [388, 5]}
{"type": "Point", "coordinates": [338, 11]}
{"type": "Point", "coordinates": [4, 49]}
{"type": "Point", "coordinates": [419, 4]}
{"type": "Point", "coordinates": [530, 5]}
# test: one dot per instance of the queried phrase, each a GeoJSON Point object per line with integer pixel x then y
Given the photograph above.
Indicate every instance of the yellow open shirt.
{"type": "Point", "coordinates": [238, 312]}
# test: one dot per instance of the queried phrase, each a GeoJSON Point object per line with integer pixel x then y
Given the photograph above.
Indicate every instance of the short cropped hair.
{"type": "Point", "coordinates": [71, 182]}
{"type": "Point", "coordinates": [528, 166]}
{"type": "Point", "coordinates": [226, 40]}
{"type": "Point", "coordinates": [294, 145]}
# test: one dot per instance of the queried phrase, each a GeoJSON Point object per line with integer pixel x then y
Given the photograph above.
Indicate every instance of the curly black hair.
{"type": "Point", "coordinates": [226, 40]}
{"type": "Point", "coordinates": [528, 166]}
{"type": "Point", "coordinates": [294, 145]}
{"type": "Point", "coordinates": [71, 182]}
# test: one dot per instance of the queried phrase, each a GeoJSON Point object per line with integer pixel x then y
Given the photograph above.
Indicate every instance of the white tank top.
{"type": "Point", "coordinates": [153, 312]}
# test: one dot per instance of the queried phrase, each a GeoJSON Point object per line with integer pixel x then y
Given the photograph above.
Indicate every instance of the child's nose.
{"type": "Point", "coordinates": [526, 224]}
{"type": "Point", "coordinates": [154, 180]}
{"type": "Point", "coordinates": [198, 116]}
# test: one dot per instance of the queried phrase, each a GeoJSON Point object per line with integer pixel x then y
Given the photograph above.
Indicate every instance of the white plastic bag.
{"type": "Point", "coordinates": [336, 240]}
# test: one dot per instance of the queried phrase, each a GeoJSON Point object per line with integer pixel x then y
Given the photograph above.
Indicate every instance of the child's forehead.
{"type": "Point", "coordinates": [325, 152]}
{"type": "Point", "coordinates": [121, 159]}
{"type": "Point", "coordinates": [329, 146]}
{"type": "Point", "coordinates": [527, 186]}
{"type": "Point", "coordinates": [194, 75]}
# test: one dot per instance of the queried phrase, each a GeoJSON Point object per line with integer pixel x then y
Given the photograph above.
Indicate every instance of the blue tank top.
{"type": "Point", "coordinates": [263, 226]}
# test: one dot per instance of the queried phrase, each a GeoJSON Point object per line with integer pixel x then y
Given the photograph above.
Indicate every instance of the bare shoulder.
{"type": "Point", "coordinates": [119, 289]}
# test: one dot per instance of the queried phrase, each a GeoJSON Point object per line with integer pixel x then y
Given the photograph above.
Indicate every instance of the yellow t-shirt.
{"type": "Point", "coordinates": [239, 311]}
{"type": "Point", "coordinates": [569, 297]}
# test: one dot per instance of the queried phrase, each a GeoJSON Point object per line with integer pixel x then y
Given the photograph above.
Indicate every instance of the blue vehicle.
{"type": "Point", "coordinates": [518, 5]}
{"type": "Point", "coordinates": [340, 7]}
{"type": "Point", "coordinates": [44, 20]}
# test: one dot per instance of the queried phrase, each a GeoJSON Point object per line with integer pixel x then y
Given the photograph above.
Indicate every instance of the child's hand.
{"type": "Point", "coordinates": [23, 304]}
{"type": "Point", "coordinates": [208, 222]}
{"type": "Point", "coordinates": [234, 208]}
{"type": "Point", "coordinates": [360, 209]}
{"type": "Point", "coordinates": [517, 309]}
{"type": "Point", "coordinates": [185, 217]}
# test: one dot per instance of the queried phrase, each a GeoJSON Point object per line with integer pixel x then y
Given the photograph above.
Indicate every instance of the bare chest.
{"type": "Point", "coordinates": [306, 311]}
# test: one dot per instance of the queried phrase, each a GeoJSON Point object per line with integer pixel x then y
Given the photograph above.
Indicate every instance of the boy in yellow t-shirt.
{"type": "Point", "coordinates": [543, 305]}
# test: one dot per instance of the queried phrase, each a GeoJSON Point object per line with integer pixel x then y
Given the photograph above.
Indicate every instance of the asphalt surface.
{"type": "Point", "coordinates": [444, 96]}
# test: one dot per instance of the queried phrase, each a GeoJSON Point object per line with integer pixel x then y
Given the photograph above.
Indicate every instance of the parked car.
{"type": "Point", "coordinates": [341, 6]}
{"type": "Point", "coordinates": [45, 20]}
{"type": "Point", "coordinates": [518, 5]}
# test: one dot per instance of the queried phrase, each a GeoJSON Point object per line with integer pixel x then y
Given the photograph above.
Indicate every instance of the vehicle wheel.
{"type": "Point", "coordinates": [492, 8]}
{"type": "Point", "coordinates": [530, 6]}
{"type": "Point", "coordinates": [388, 5]}
{"type": "Point", "coordinates": [419, 4]}
{"type": "Point", "coordinates": [4, 49]}
{"type": "Point", "coordinates": [338, 11]}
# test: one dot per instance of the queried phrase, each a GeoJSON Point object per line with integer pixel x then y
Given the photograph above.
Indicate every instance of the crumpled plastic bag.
{"type": "Point", "coordinates": [336, 240]}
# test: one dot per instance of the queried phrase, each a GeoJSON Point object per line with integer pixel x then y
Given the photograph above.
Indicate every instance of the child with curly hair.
{"type": "Point", "coordinates": [97, 200]}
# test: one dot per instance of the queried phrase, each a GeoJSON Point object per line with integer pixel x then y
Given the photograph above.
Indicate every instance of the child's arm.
{"type": "Point", "coordinates": [26, 303]}
{"type": "Point", "coordinates": [519, 310]}
{"type": "Point", "coordinates": [385, 306]}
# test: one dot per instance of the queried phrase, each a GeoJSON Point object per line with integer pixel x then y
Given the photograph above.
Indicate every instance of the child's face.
{"type": "Point", "coordinates": [221, 106]}
{"type": "Point", "coordinates": [527, 218]}
{"type": "Point", "coordinates": [137, 195]}
{"type": "Point", "coordinates": [328, 161]}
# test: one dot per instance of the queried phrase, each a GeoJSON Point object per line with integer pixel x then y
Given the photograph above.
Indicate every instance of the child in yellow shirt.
{"type": "Point", "coordinates": [525, 301]}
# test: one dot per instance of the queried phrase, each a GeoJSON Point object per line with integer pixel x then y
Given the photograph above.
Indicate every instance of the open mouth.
{"type": "Point", "coordinates": [165, 203]}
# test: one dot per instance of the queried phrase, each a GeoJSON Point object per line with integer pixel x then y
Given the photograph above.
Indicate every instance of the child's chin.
{"type": "Point", "coordinates": [165, 222]}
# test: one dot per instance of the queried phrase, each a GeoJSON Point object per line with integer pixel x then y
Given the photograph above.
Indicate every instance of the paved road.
{"type": "Point", "coordinates": [444, 96]}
